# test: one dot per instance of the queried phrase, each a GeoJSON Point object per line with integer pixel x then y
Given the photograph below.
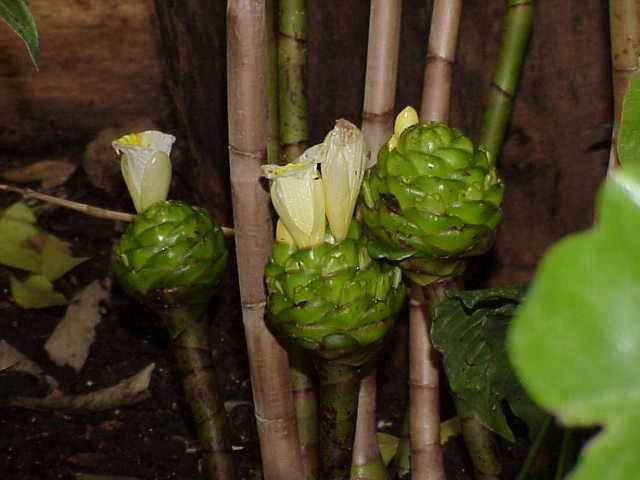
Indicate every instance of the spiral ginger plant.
{"type": "Point", "coordinates": [326, 294]}
{"type": "Point", "coordinates": [170, 258]}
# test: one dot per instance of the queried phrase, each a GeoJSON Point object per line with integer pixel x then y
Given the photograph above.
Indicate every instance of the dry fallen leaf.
{"type": "Point", "coordinates": [50, 173]}
{"type": "Point", "coordinates": [35, 292]}
{"type": "Point", "coordinates": [12, 360]}
{"type": "Point", "coordinates": [127, 392]}
{"type": "Point", "coordinates": [70, 341]}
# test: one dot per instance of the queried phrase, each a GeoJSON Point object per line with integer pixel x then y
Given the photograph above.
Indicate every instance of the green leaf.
{"type": "Point", "coordinates": [26, 247]}
{"type": "Point", "coordinates": [388, 445]}
{"type": "Point", "coordinates": [575, 342]}
{"type": "Point", "coordinates": [35, 292]}
{"type": "Point", "coordinates": [628, 146]}
{"type": "Point", "coordinates": [17, 15]}
{"type": "Point", "coordinates": [469, 330]}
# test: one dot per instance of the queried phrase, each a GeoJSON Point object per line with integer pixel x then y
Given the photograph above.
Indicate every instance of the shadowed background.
{"type": "Point", "coordinates": [109, 63]}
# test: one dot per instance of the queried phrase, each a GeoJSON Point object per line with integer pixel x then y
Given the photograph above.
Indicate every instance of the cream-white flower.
{"type": "Point", "coordinates": [406, 118]}
{"type": "Point", "coordinates": [145, 165]}
{"type": "Point", "coordinates": [343, 161]}
{"type": "Point", "coordinates": [297, 194]}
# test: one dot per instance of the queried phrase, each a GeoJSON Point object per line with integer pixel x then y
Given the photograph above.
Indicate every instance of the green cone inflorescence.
{"type": "Point", "coordinates": [333, 300]}
{"type": "Point", "coordinates": [173, 253]}
{"type": "Point", "coordinates": [430, 201]}
{"type": "Point", "coordinates": [170, 258]}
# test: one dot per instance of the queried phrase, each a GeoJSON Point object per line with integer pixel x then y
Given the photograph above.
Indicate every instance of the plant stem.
{"type": "Point", "coordinates": [339, 382]}
{"type": "Point", "coordinates": [292, 78]}
{"type": "Point", "coordinates": [89, 210]}
{"type": "Point", "coordinates": [306, 404]}
{"type": "Point", "coordinates": [402, 460]}
{"type": "Point", "coordinates": [424, 391]}
{"type": "Point", "coordinates": [532, 454]}
{"type": "Point", "coordinates": [247, 107]}
{"type": "Point", "coordinates": [188, 332]}
{"type": "Point", "coordinates": [516, 31]}
{"type": "Point", "coordinates": [566, 452]}
{"type": "Point", "coordinates": [625, 39]}
{"type": "Point", "coordinates": [380, 80]}
{"type": "Point", "coordinates": [441, 50]}
{"type": "Point", "coordinates": [366, 461]}
{"type": "Point", "coordinates": [481, 445]}
{"type": "Point", "coordinates": [293, 126]}
{"type": "Point", "coordinates": [273, 118]}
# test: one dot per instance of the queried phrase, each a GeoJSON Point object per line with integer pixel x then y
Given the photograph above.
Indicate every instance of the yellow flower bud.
{"type": "Point", "coordinates": [145, 166]}
{"type": "Point", "coordinates": [297, 194]}
{"type": "Point", "coordinates": [407, 117]}
{"type": "Point", "coordinates": [343, 162]}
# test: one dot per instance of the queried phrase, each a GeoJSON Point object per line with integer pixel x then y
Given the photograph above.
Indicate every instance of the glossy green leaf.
{"type": "Point", "coordinates": [35, 292]}
{"type": "Point", "coordinates": [17, 15]}
{"type": "Point", "coordinates": [469, 329]}
{"type": "Point", "coordinates": [628, 146]}
{"type": "Point", "coordinates": [575, 343]}
{"type": "Point", "coordinates": [388, 445]}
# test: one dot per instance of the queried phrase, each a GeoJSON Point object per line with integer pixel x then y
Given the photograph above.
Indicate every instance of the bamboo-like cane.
{"type": "Point", "coordinates": [402, 460]}
{"type": "Point", "coordinates": [366, 463]}
{"type": "Point", "coordinates": [273, 118]}
{"type": "Point", "coordinates": [305, 401]}
{"type": "Point", "coordinates": [377, 127]}
{"type": "Point", "coordinates": [441, 51]}
{"type": "Point", "coordinates": [247, 105]}
{"type": "Point", "coordinates": [292, 72]}
{"type": "Point", "coordinates": [625, 48]}
{"type": "Point", "coordinates": [293, 129]}
{"type": "Point", "coordinates": [516, 31]}
{"type": "Point", "coordinates": [381, 76]}
{"type": "Point", "coordinates": [424, 382]}
{"type": "Point", "coordinates": [424, 393]}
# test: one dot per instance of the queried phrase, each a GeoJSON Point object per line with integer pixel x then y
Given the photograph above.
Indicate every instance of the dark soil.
{"type": "Point", "coordinates": [154, 439]}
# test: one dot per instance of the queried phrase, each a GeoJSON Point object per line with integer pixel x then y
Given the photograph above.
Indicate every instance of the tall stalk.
{"type": "Point", "coordinates": [293, 126]}
{"type": "Point", "coordinates": [441, 51]}
{"type": "Point", "coordinates": [381, 76]}
{"type": "Point", "coordinates": [339, 381]}
{"type": "Point", "coordinates": [292, 73]}
{"type": "Point", "coordinates": [189, 333]}
{"type": "Point", "coordinates": [366, 463]}
{"type": "Point", "coordinates": [247, 106]}
{"type": "Point", "coordinates": [625, 48]}
{"type": "Point", "coordinates": [424, 382]}
{"type": "Point", "coordinates": [516, 31]}
{"type": "Point", "coordinates": [273, 118]}
{"type": "Point", "coordinates": [377, 127]}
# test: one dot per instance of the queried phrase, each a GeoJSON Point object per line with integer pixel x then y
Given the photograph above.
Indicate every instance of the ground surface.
{"type": "Point", "coordinates": [154, 439]}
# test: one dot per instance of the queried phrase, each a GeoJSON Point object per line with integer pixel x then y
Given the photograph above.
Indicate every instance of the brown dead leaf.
{"type": "Point", "coordinates": [13, 360]}
{"type": "Point", "coordinates": [127, 392]}
{"type": "Point", "coordinates": [50, 173]}
{"type": "Point", "coordinates": [87, 459]}
{"type": "Point", "coordinates": [71, 340]}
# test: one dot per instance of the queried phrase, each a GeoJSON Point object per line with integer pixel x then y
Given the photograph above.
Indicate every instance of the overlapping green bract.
{"type": "Point", "coordinates": [332, 299]}
{"type": "Point", "coordinates": [431, 201]}
{"type": "Point", "coordinates": [171, 254]}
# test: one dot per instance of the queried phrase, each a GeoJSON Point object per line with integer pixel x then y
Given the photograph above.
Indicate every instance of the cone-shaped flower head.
{"type": "Point", "coordinates": [145, 165]}
{"type": "Point", "coordinates": [332, 299]}
{"type": "Point", "coordinates": [343, 162]}
{"type": "Point", "coordinates": [297, 194]}
{"type": "Point", "coordinates": [431, 200]}
{"type": "Point", "coordinates": [171, 254]}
